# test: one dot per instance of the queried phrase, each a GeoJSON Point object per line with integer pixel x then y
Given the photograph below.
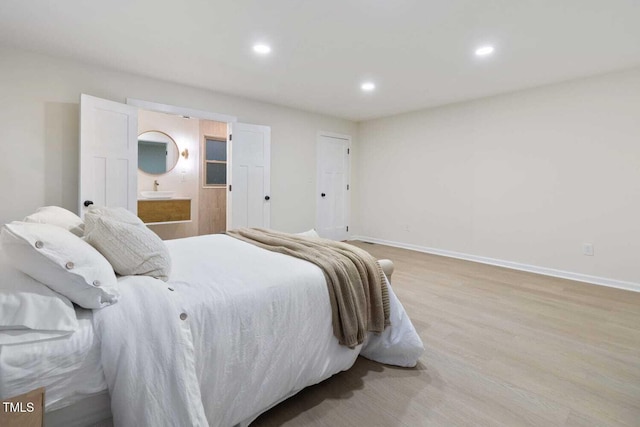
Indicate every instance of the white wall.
{"type": "Point", "coordinates": [39, 98]}
{"type": "Point", "coordinates": [526, 177]}
{"type": "Point", "coordinates": [186, 133]}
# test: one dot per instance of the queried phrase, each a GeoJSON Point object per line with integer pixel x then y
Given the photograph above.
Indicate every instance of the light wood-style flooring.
{"type": "Point", "coordinates": [503, 348]}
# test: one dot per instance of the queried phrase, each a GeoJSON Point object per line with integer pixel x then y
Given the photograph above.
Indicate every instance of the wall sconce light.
{"type": "Point", "coordinates": [185, 153]}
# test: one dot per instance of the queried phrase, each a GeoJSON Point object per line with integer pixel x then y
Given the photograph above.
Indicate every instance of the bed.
{"type": "Point", "coordinates": [235, 330]}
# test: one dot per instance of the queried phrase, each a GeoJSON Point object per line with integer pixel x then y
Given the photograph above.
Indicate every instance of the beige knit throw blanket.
{"type": "Point", "coordinates": [357, 290]}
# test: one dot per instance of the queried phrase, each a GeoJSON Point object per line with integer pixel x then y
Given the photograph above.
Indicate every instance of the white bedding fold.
{"type": "Point", "coordinates": [148, 357]}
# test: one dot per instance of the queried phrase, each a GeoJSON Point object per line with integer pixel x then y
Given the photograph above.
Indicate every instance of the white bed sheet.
{"type": "Point", "coordinates": [236, 329]}
{"type": "Point", "coordinates": [68, 367]}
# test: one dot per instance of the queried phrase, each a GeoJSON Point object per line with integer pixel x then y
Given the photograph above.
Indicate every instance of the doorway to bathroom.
{"type": "Point", "coordinates": [197, 172]}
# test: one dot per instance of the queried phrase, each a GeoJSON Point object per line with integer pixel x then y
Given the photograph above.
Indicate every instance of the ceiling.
{"type": "Point", "coordinates": [420, 53]}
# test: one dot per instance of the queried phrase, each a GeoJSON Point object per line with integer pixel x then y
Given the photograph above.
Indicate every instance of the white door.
{"type": "Point", "coordinates": [250, 187]}
{"type": "Point", "coordinates": [333, 189]}
{"type": "Point", "coordinates": [108, 154]}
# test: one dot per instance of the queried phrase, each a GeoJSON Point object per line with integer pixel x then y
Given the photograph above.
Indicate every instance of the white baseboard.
{"type": "Point", "coordinates": [602, 281]}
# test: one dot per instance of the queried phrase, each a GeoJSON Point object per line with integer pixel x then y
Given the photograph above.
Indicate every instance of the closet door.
{"type": "Point", "coordinates": [250, 176]}
{"type": "Point", "coordinates": [108, 154]}
{"type": "Point", "coordinates": [333, 191]}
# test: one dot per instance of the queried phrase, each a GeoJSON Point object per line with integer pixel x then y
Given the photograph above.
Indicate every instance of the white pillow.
{"type": "Point", "coordinates": [62, 261]}
{"type": "Point", "coordinates": [60, 217]}
{"type": "Point", "coordinates": [130, 247]}
{"type": "Point", "coordinates": [30, 310]}
{"type": "Point", "coordinates": [117, 214]}
{"type": "Point", "coordinates": [311, 233]}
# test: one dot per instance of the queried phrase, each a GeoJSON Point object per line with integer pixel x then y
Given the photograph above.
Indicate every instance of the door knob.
{"type": "Point", "coordinates": [322, 194]}
{"type": "Point", "coordinates": [87, 203]}
{"type": "Point", "coordinates": [267, 197]}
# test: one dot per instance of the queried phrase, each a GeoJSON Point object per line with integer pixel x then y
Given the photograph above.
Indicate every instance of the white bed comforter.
{"type": "Point", "coordinates": [235, 330]}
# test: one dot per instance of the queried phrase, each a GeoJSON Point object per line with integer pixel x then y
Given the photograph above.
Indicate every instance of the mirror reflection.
{"type": "Point", "coordinates": [157, 152]}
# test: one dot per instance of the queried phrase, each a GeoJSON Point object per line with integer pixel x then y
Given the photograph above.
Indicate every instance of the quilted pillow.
{"type": "Point", "coordinates": [60, 217]}
{"type": "Point", "coordinates": [30, 310]}
{"type": "Point", "coordinates": [62, 261]}
{"type": "Point", "coordinates": [117, 214]}
{"type": "Point", "coordinates": [129, 245]}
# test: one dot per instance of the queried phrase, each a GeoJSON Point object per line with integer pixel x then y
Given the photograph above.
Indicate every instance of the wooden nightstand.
{"type": "Point", "coordinates": [26, 410]}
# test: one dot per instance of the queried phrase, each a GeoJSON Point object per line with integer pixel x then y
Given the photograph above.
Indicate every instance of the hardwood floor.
{"type": "Point", "coordinates": [503, 348]}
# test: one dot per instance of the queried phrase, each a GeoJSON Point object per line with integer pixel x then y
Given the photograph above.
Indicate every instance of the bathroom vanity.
{"type": "Point", "coordinates": [164, 211]}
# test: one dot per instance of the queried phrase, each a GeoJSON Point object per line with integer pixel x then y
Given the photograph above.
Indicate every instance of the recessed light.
{"type": "Point", "coordinates": [484, 50]}
{"type": "Point", "coordinates": [368, 86]}
{"type": "Point", "coordinates": [262, 49]}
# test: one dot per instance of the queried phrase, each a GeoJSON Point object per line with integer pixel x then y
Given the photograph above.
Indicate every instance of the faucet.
{"type": "Point", "coordinates": [155, 185]}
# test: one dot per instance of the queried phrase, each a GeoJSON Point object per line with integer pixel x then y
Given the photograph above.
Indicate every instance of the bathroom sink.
{"type": "Point", "coordinates": [158, 194]}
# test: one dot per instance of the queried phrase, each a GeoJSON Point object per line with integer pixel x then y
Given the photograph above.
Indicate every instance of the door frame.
{"type": "Point", "coordinates": [347, 138]}
{"type": "Point", "coordinates": [181, 111]}
{"type": "Point", "coordinates": [197, 114]}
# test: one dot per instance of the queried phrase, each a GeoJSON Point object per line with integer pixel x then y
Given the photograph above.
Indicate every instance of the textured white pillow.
{"type": "Point", "coordinates": [117, 214]}
{"type": "Point", "coordinates": [30, 310]}
{"type": "Point", "coordinates": [60, 217]}
{"type": "Point", "coordinates": [130, 247]}
{"type": "Point", "coordinates": [62, 261]}
{"type": "Point", "coordinates": [311, 233]}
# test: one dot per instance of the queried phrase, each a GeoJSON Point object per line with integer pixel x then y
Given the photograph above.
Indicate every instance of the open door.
{"type": "Point", "coordinates": [108, 154]}
{"type": "Point", "coordinates": [250, 187]}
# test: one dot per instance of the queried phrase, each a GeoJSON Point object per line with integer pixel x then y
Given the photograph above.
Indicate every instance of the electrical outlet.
{"type": "Point", "coordinates": [406, 227]}
{"type": "Point", "coordinates": [587, 249]}
{"type": "Point", "coordinates": [183, 176]}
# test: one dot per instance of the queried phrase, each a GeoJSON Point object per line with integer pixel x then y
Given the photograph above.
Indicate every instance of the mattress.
{"type": "Point", "coordinates": [68, 367]}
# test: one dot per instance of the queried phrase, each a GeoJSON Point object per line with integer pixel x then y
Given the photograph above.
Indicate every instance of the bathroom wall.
{"type": "Point", "coordinates": [183, 178]}
{"type": "Point", "coordinates": [212, 201]}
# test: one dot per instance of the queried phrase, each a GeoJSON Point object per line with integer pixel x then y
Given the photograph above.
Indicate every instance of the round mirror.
{"type": "Point", "coordinates": [157, 152]}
